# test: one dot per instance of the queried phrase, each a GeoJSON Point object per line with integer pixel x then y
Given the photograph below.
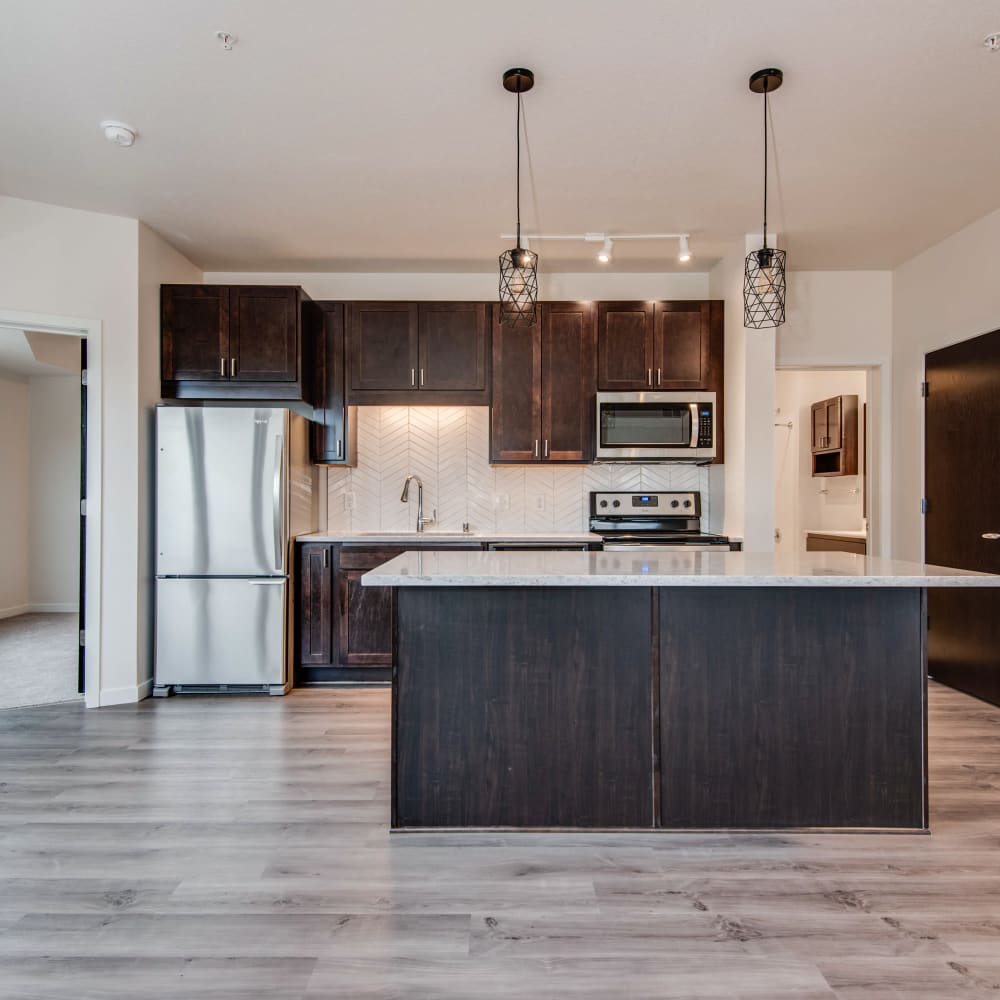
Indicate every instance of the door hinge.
{"type": "Point", "coordinates": [83, 637]}
{"type": "Point", "coordinates": [83, 376]}
{"type": "Point", "coordinates": [925, 389]}
{"type": "Point", "coordinates": [925, 505]}
{"type": "Point", "coordinates": [83, 508]}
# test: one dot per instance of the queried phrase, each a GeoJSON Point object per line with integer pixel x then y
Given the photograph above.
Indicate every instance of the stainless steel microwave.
{"type": "Point", "coordinates": [655, 426]}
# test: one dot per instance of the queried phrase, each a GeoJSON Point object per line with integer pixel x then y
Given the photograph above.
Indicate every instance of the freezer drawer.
{"type": "Point", "coordinates": [211, 632]}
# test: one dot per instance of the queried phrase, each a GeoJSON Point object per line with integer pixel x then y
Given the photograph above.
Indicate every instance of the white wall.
{"type": "Point", "coordinates": [799, 504]}
{"type": "Point", "coordinates": [481, 286]}
{"type": "Point", "coordinates": [55, 492]}
{"type": "Point", "coordinates": [159, 263]}
{"type": "Point", "coordinates": [15, 573]}
{"type": "Point", "coordinates": [945, 295]}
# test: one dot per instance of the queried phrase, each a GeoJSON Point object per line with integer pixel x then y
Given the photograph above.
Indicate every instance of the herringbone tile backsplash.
{"type": "Point", "coordinates": [448, 448]}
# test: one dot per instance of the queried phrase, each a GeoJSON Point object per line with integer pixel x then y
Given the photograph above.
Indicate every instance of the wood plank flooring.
{"type": "Point", "coordinates": [239, 848]}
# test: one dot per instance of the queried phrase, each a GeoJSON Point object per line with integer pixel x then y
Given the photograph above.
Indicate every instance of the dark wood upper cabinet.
{"type": "Point", "coordinates": [334, 424]}
{"type": "Point", "coordinates": [683, 345]}
{"type": "Point", "coordinates": [428, 353]}
{"type": "Point", "coordinates": [544, 383]}
{"type": "Point", "coordinates": [516, 414]}
{"type": "Point", "coordinates": [452, 346]}
{"type": "Point", "coordinates": [835, 436]}
{"type": "Point", "coordinates": [569, 375]}
{"type": "Point", "coordinates": [382, 346]}
{"type": "Point", "coordinates": [264, 334]}
{"type": "Point", "coordinates": [232, 342]}
{"type": "Point", "coordinates": [194, 325]}
{"type": "Point", "coordinates": [625, 351]}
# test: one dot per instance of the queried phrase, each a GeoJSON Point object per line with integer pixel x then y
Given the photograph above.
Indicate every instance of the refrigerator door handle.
{"type": "Point", "coordinates": [278, 581]}
{"type": "Point", "coordinates": [278, 505]}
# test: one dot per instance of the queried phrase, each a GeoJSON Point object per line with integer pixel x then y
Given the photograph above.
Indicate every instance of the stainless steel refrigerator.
{"type": "Point", "coordinates": [233, 488]}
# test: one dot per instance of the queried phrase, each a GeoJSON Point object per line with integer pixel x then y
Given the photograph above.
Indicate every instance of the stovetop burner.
{"type": "Point", "coordinates": [652, 518]}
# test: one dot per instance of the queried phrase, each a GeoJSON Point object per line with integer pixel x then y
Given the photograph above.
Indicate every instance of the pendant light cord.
{"type": "Point", "coordinates": [765, 164]}
{"type": "Point", "coordinates": [518, 168]}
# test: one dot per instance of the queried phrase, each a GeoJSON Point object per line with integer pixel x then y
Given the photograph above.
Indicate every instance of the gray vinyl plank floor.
{"type": "Point", "coordinates": [239, 848]}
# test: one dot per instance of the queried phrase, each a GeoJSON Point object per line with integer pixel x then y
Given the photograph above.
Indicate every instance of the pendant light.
{"type": "Point", "coordinates": [764, 277]}
{"type": "Point", "coordinates": [519, 266]}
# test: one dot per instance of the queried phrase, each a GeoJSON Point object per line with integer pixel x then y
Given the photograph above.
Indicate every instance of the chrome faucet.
{"type": "Point", "coordinates": [421, 520]}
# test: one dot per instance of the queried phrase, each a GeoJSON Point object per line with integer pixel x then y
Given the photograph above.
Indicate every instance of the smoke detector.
{"type": "Point", "coordinates": [119, 133]}
{"type": "Point", "coordinates": [992, 41]}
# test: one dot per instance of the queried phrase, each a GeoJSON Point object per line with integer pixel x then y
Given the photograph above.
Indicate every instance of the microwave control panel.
{"type": "Point", "coordinates": [705, 425]}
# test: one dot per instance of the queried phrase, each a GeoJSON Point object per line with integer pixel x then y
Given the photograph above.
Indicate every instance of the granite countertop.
{"type": "Point", "coordinates": [669, 569]}
{"type": "Point", "coordinates": [404, 537]}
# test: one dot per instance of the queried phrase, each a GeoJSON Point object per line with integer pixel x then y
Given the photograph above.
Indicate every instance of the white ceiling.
{"type": "Point", "coordinates": [356, 136]}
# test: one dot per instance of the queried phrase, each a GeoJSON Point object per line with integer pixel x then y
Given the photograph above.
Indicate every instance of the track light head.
{"type": "Point", "coordinates": [684, 252]}
{"type": "Point", "coordinates": [606, 252]}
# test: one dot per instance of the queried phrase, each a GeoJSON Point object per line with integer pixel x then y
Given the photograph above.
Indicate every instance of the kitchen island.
{"type": "Point", "coordinates": [599, 690]}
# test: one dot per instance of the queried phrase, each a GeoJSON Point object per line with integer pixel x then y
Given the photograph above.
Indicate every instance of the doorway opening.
{"type": "Point", "coordinates": [64, 559]}
{"type": "Point", "coordinates": [825, 496]}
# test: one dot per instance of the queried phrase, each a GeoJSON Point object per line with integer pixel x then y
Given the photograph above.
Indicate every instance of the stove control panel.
{"type": "Point", "coordinates": [652, 504]}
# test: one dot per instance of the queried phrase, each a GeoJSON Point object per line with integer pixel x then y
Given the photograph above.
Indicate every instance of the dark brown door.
{"type": "Point", "coordinates": [625, 355]}
{"type": "Point", "coordinates": [264, 334]}
{"type": "Point", "coordinates": [962, 525]}
{"type": "Point", "coordinates": [382, 346]}
{"type": "Point", "coordinates": [452, 346]}
{"type": "Point", "coordinates": [569, 381]}
{"type": "Point", "coordinates": [364, 614]}
{"type": "Point", "coordinates": [834, 419]}
{"type": "Point", "coordinates": [329, 438]}
{"type": "Point", "coordinates": [516, 414]}
{"type": "Point", "coordinates": [682, 345]}
{"type": "Point", "coordinates": [315, 604]}
{"type": "Point", "coordinates": [818, 411]}
{"type": "Point", "coordinates": [194, 328]}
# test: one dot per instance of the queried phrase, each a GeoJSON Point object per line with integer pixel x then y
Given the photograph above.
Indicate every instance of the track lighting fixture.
{"type": "Point", "coordinates": [684, 253]}
{"type": "Point", "coordinates": [606, 252]}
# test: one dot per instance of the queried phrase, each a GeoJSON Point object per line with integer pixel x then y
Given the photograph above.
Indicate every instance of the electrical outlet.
{"type": "Point", "coordinates": [502, 501]}
{"type": "Point", "coordinates": [540, 501]}
{"type": "Point", "coordinates": [349, 501]}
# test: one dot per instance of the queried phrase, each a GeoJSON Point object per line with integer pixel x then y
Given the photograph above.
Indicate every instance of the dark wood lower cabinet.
{"type": "Point", "coordinates": [682, 708]}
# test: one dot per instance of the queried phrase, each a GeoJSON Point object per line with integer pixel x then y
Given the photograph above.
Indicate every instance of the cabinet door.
{"type": "Point", "coordinates": [516, 414]}
{"type": "Point", "coordinates": [625, 356]}
{"type": "Point", "coordinates": [818, 411]}
{"type": "Point", "coordinates": [264, 334]}
{"type": "Point", "coordinates": [382, 346]}
{"type": "Point", "coordinates": [834, 437]}
{"type": "Point", "coordinates": [452, 346]}
{"type": "Point", "coordinates": [194, 332]}
{"type": "Point", "coordinates": [569, 381]}
{"type": "Point", "coordinates": [682, 345]}
{"type": "Point", "coordinates": [315, 604]}
{"type": "Point", "coordinates": [329, 428]}
{"type": "Point", "coordinates": [364, 614]}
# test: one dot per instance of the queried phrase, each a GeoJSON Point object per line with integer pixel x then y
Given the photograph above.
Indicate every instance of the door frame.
{"type": "Point", "coordinates": [91, 330]}
{"type": "Point", "coordinates": [877, 499]}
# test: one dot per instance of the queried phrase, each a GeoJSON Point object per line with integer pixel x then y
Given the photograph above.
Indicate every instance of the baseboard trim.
{"type": "Point", "coordinates": [126, 695]}
{"type": "Point", "coordinates": [49, 608]}
{"type": "Point", "coordinates": [13, 612]}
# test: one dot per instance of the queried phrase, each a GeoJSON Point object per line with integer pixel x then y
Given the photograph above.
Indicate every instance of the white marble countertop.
{"type": "Point", "coordinates": [669, 569]}
{"type": "Point", "coordinates": [449, 537]}
{"type": "Point", "coordinates": [837, 532]}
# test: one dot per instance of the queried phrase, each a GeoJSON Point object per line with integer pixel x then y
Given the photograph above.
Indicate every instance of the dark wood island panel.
{"type": "Point", "coordinates": [523, 707]}
{"type": "Point", "coordinates": [792, 707]}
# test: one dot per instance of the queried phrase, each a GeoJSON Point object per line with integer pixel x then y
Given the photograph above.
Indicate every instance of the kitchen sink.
{"type": "Point", "coordinates": [416, 534]}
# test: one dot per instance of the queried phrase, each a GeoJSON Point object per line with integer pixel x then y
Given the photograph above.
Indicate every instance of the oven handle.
{"type": "Point", "coordinates": [646, 547]}
{"type": "Point", "coordinates": [693, 407]}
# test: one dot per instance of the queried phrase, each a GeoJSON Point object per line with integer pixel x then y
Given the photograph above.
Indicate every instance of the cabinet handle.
{"type": "Point", "coordinates": [222, 367]}
{"type": "Point", "coordinates": [326, 558]}
{"type": "Point", "coordinates": [991, 536]}
{"type": "Point", "coordinates": [546, 447]}
{"type": "Point", "coordinates": [340, 449]}
{"type": "Point", "coordinates": [232, 367]}
{"type": "Point", "coordinates": [413, 376]}
{"type": "Point", "coordinates": [536, 447]}
{"type": "Point", "coordinates": [657, 376]}
{"type": "Point", "coordinates": [421, 376]}
{"type": "Point", "coordinates": [649, 377]}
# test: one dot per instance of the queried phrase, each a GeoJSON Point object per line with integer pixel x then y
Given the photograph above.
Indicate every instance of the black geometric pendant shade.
{"type": "Point", "coordinates": [518, 287]}
{"type": "Point", "coordinates": [764, 289]}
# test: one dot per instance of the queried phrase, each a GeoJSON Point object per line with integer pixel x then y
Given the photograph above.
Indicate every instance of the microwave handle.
{"type": "Point", "coordinates": [693, 407]}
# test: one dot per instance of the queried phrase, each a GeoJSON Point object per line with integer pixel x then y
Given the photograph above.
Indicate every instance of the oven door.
{"type": "Point", "coordinates": [640, 426]}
